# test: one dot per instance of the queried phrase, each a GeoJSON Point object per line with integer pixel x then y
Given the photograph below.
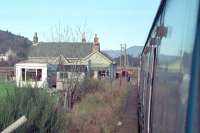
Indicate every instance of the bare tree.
{"type": "Point", "coordinates": [71, 82]}
{"type": "Point", "coordinates": [62, 33]}
{"type": "Point", "coordinates": [70, 73]}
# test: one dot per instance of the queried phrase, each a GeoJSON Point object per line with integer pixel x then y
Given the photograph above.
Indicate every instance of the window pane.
{"type": "Point", "coordinates": [31, 74]}
{"type": "Point", "coordinates": [173, 71]}
{"type": "Point", "coordinates": [39, 74]}
{"type": "Point", "coordinates": [23, 74]}
{"type": "Point", "coordinates": [63, 75]}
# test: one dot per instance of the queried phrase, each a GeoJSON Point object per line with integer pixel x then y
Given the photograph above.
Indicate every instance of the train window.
{"type": "Point", "coordinates": [193, 115]}
{"type": "Point", "coordinates": [174, 67]}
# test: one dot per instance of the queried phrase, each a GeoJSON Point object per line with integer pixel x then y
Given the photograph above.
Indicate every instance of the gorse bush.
{"type": "Point", "coordinates": [35, 104]}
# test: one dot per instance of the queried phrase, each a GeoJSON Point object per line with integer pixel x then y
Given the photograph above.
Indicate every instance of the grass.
{"type": "Point", "coordinates": [34, 103]}
{"type": "Point", "coordinates": [98, 112]}
{"type": "Point", "coordinates": [6, 88]}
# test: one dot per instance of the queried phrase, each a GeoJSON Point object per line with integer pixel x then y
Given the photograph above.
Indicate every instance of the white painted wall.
{"type": "Point", "coordinates": [77, 75]}
{"type": "Point", "coordinates": [95, 75]}
{"type": "Point", "coordinates": [20, 83]}
{"type": "Point", "coordinates": [60, 83]}
{"type": "Point", "coordinates": [3, 57]}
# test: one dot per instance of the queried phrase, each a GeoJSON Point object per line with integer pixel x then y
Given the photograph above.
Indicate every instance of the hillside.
{"type": "Point", "coordinates": [134, 51]}
{"type": "Point", "coordinates": [18, 44]}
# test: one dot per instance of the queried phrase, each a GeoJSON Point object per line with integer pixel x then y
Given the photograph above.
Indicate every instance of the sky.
{"type": "Point", "coordinates": [114, 21]}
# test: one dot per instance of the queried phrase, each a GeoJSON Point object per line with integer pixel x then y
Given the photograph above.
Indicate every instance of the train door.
{"type": "Point", "coordinates": [142, 90]}
{"type": "Point", "coordinates": [150, 86]}
{"type": "Point", "coordinates": [154, 43]}
{"type": "Point", "coordinates": [159, 33]}
{"type": "Point", "coordinates": [147, 91]}
{"type": "Point", "coordinates": [145, 86]}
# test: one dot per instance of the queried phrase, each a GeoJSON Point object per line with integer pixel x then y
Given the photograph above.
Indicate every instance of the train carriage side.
{"type": "Point", "coordinates": [167, 63]}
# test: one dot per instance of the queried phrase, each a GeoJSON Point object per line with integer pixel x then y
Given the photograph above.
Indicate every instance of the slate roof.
{"type": "Point", "coordinates": [67, 49]}
{"type": "Point", "coordinates": [106, 55]}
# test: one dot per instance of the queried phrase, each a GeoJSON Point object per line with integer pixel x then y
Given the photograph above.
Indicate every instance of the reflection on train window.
{"type": "Point", "coordinates": [174, 66]}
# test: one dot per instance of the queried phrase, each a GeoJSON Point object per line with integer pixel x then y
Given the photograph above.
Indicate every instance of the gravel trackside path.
{"type": "Point", "coordinates": [130, 117]}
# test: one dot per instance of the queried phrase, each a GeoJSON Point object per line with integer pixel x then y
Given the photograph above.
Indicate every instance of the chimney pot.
{"type": "Point", "coordinates": [96, 45]}
{"type": "Point", "coordinates": [83, 38]}
{"type": "Point", "coordinates": [35, 39]}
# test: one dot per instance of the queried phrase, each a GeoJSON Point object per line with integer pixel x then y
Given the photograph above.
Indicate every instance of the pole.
{"type": "Point", "coordinates": [120, 55]}
{"type": "Point", "coordinates": [15, 125]}
{"type": "Point", "coordinates": [120, 75]}
{"type": "Point", "coordinates": [125, 60]}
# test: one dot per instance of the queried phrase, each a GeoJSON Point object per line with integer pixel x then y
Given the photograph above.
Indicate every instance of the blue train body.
{"type": "Point", "coordinates": [169, 76]}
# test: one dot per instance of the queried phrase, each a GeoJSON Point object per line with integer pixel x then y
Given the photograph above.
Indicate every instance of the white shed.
{"type": "Point", "coordinates": [33, 74]}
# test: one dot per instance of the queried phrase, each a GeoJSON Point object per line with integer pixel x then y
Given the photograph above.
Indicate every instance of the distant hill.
{"type": "Point", "coordinates": [134, 51]}
{"type": "Point", "coordinates": [132, 61]}
{"type": "Point", "coordinates": [18, 44]}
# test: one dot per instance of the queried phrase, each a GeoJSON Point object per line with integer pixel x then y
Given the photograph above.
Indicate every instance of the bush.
{"type": "Point", "coordinates": [98, 112]}
{"type": "Point", "coordinates": [89, 86]}
{"type": "Point", "coordinates": [34, 103]}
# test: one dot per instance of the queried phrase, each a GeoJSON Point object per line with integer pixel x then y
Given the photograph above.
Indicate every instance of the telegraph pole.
{"type": "Point", "coordinates": [123, 55]}
{"type": "Point", "coordinates": [123, 58]}
{"type": "Point", "coordinates": [121, 69]}
{"type": "Point", "coordinates": [120, 55]}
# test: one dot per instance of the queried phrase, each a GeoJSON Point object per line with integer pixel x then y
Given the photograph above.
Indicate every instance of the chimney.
{"type": "Point", "coordinates": [83, 38]}
{"type": "Point", "coordinates": [96, 45]}
{"type": "Point", "coordinates": [35, 39]}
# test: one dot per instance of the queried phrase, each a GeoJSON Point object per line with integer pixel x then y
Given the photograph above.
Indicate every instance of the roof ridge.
{"type": "Point", "coordinates": [66, 43]}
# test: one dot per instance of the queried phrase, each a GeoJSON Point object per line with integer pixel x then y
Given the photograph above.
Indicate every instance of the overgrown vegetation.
{"type": "Point", "coordinates": [89, 86]}
{"type": "Point", "coordinates": [35, 104]}
{"type": "Point", "coordinates": [100, 108]}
